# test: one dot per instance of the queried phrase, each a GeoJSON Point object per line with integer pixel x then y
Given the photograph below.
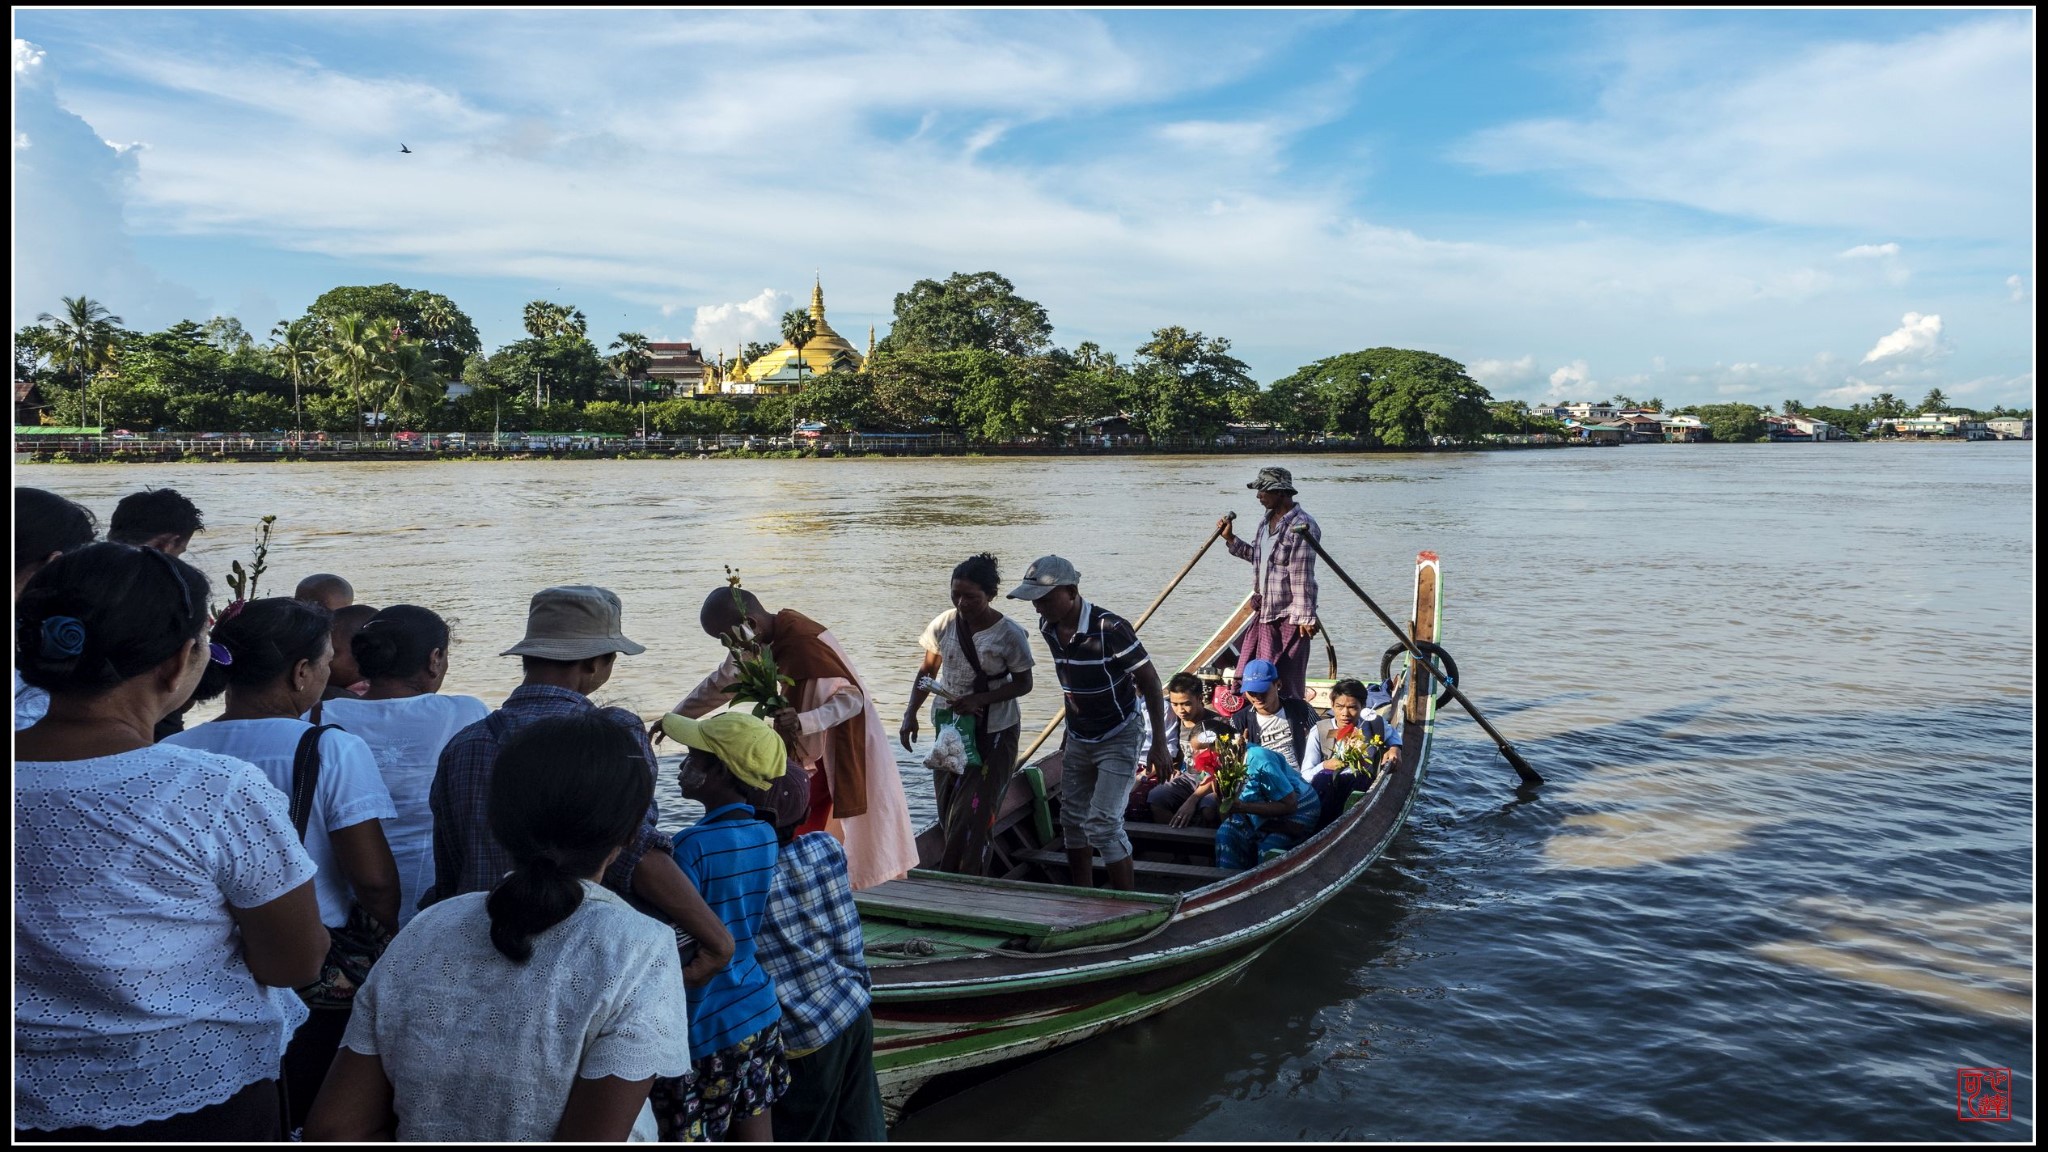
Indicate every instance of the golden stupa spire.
{"type": "Point", "coordinates": [818, 299]}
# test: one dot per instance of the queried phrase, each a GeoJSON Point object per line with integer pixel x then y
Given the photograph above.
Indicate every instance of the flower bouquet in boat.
{"type": "Point", "coordinates": [1230, 771]}
{"type": "Point", "coordinates": [1357, 752]}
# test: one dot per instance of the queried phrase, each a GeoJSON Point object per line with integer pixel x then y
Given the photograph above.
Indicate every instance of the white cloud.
{"type": "Point", "coordinates": [2015, 287]}
{"type": "Point", "coordinates": [1867, 251]}
{"type": "Point", "coordinates": [727, 328]}
{"type": "Point", "coordinates": [1570, 377]}
{"type": "Point", "coordinates": [1916, 335]}
{"type": "Point", "coordinates": [1502, 372]}
{"type": "Point", "coordinates": [1843, 134]}
{"type": "Point", "coordinates": [76, 190]}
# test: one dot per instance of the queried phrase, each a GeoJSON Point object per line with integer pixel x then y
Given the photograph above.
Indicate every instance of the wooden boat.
{"type": "Point", "coordinates": [972, 971]}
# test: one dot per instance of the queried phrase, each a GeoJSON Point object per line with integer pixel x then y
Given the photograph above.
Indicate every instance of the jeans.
{"type": "Point", "coordinates": [1095, 786]}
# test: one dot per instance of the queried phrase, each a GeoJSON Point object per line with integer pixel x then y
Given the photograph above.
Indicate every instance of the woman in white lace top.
{"type": "Point", "coordinates": [163, 906]}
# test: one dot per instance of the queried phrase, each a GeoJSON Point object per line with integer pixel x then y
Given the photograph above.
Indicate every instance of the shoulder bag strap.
{"type": "Point", "coordinates": [306, 776]}
{"type": "Point", "coordinates": [966, 641]}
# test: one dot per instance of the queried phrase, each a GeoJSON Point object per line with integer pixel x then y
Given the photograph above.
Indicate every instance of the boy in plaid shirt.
{"type": "Point", "coordinates": [809, 943]}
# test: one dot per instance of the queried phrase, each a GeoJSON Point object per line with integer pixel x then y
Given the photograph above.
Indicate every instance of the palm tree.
{"type": "Point", "coordinates": [544, 318]}
{"type": "Point", "coordinates": [295, 347]}
{"type": "Point", "coordinates": [407, 376]}
{"type": "Point", "coordinates": [1935, 401]}
{"type": "Point", "coordinates": [353, 350]}
{"type": "Point", "coordinates": [541, 318]}
{"type": "Point", "coordinates": [630, 358]}
{"type": "Point", "coordinates": [797, 330]}
{"type": "Point", "coordinates": [82, 340]}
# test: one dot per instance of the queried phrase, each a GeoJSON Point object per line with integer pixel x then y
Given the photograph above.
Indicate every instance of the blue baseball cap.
{"type": "Point", "coordinates": [1260, 675]}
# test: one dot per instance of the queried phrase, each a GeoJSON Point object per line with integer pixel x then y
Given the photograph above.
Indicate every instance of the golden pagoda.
{"type": "Point", "coordinates": [826, 351]}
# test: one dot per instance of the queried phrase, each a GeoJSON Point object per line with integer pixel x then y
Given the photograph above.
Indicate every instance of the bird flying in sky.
{"type": "Point", "coordinates": [403, 148]}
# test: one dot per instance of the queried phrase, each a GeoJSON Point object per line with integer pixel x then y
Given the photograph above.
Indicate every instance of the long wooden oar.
{"type": "Point", "coordinates": [1060, 716]}
{"type": "Point", "coordinates": [1529, 775]}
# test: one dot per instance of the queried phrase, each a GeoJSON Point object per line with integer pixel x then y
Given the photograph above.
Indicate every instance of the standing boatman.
{"type": "Point", "coordinates": [1283, 582]}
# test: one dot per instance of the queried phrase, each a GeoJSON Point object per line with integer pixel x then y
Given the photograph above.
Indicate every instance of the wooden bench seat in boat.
{"type": "Point", "coordinates": [1032, 917]}
{"type": "Point", "coordinates": [1192, 841]}
{"type": "Point", "coordinates": [1173, 877]}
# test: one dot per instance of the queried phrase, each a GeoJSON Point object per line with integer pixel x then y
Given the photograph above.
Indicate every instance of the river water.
{"type": "Point", "coordinates": [1779, 886]}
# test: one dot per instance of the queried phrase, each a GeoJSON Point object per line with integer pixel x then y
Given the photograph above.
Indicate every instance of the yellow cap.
{"type": "Point", "coordinates": [748, 746]}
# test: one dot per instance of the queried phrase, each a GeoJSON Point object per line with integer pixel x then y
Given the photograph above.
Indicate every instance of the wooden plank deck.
{"type": "Point", "coordinates": [1037, 917]}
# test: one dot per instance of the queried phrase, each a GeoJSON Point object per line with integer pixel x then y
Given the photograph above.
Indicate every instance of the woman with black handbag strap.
{"type": "Point", "coordinates": [982, 661]}
{"type": "Point", "coordinates": [277, 652]}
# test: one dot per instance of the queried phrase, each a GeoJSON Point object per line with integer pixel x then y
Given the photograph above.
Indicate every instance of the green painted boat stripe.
{"type": "Point", "coordinates": [1047, 1027]}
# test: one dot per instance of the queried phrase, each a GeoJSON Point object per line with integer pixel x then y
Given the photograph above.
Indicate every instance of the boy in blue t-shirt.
{"type": "Point", "coordinates": [736, 763]}
{"type": "Point", "coordinates": [1275, 810]}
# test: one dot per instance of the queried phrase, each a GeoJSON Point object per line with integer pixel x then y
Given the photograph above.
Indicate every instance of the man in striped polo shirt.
{"type": "Point", "coordinates": [1103, 669]}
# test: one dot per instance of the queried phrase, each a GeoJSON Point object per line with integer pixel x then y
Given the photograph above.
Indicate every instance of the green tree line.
{"type": "Point", "coordinates": [967, 355]}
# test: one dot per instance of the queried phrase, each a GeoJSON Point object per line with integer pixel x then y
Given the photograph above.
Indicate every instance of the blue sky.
{"type": "Point", "coordinates": [1695, 206]}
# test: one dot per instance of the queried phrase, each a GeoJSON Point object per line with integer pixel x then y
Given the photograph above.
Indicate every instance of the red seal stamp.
{"type": "Point", "coordinates": [1983, 1093]}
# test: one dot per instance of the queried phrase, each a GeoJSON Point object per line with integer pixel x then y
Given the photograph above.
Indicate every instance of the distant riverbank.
{"type": "Point", "coordinates": [88, 450]}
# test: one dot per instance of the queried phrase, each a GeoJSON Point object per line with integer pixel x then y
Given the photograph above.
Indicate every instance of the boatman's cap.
{"type": "Point", "coordinates": [1260, 675]}
{"type": "Point", "coordinates": [573, 622]}
{"type": "Point", "coordinates": [1045, 574]}
{"type": "Point", "coordinates": [1273, 480]}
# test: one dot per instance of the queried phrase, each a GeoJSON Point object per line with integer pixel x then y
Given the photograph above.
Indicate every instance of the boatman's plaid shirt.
{"type": "Point", "coordinates": [810, 944]}
{"type": "Point", "coordinates": [467, 858]}
{"type": "Point", "coordinates": [1287, 593]}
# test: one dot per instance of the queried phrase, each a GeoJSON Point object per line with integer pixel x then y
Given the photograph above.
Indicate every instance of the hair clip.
{"type": "Point", "coordinates": [228, 613]}
{"type": "Point", "coordinates": [220, 654]}
{"type": "Point", "coordinates": [63, 637]}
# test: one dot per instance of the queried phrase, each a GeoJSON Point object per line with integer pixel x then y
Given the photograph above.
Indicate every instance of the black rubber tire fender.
{"type": "Point", "coordinates": [1436, 652]}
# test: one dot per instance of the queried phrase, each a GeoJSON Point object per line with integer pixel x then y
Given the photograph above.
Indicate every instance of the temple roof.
{"type": "Point", "coordinates": [825, 347]}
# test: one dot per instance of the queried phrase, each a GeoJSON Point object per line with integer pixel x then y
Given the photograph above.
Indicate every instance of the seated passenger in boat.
{"type": "Point", "coordinates": [1275, 809]}
{"type": "Point", "coordinates": [1355, 743]}
{"type": "Point", "coordinates": [1285, 724]}
{"type": "Point", "coordinates": [1185, 795]}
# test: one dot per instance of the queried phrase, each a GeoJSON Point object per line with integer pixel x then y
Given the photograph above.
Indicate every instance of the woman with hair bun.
{"type": "Point", "coordinates": [403, 652]}
{"type": "Point", "coordinates": [163, 906]}
{"type": "Point", "coordinates": [277, 655]}
{"type": "Point", "coordinates": [46, 526]}
{"type": "Point", "coordinates": [542, 1010]}
{"type": "Point", "coordinates": [982, 679]}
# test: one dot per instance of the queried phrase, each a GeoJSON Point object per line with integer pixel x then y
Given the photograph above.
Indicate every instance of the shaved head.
{"type": "Point", "coordinates": [719, 614]}
{"type": "Point", "coordinates": [327, 589]}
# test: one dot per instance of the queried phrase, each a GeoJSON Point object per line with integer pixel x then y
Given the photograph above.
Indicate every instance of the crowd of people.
{"type": "Point", "coordinates": [303, 909]}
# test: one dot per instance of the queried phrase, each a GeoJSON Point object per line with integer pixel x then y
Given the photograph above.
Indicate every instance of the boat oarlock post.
{"type": "Point", "coordinates": [1053, 725]}
{"type": "Point", "coordinates": [1530, 777]}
